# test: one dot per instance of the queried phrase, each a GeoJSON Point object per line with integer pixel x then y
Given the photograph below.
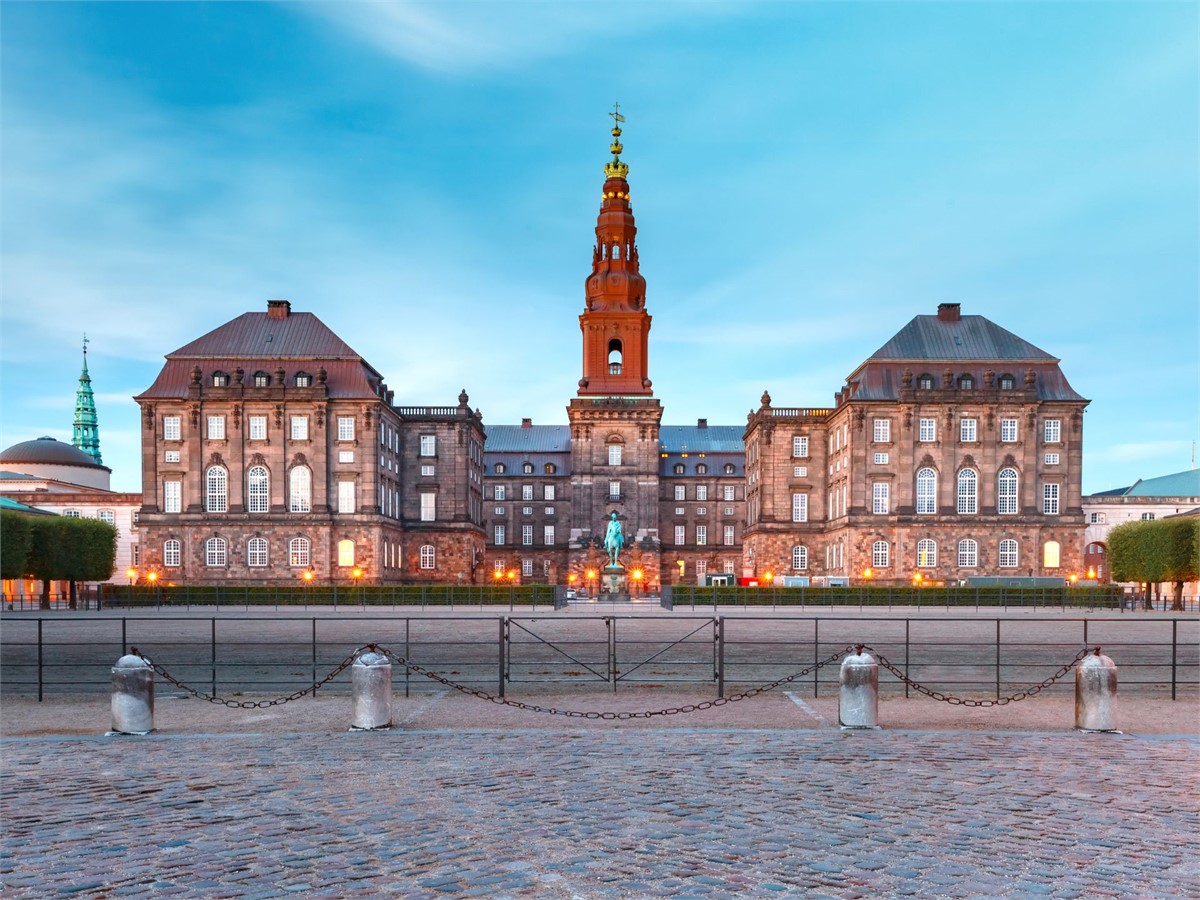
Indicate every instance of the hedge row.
{"type": "Point", "coordinates": [1089, 596]}
{"type": "Point", "coordinates": [324, 595]}
{"type": "Point", "coordinates": [56, 548]}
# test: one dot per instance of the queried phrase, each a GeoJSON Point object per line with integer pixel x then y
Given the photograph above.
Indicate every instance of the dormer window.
{"type": "Point", "coordinates": [500, 468]}
{"type": "Point", "coordinates": [550, 468]}
{"type": "Point", "coordinates": [925, 382]}
{"type": "Point", "coordinates": [678, 468]}
{"type": "Point", "coordinates": [729, 468]}
{"type": "Point", "coordinates": [220, 379]}
{"type": "Point", "coordinates": [527, 468]}
{"type": "Point", "coordinates": [701, 469]}
{"type": "Point", "coordinates": [966, 383]}
{"type": "Point", "coordinates": [1007, 382]}
{"type": "Point", "coordinates": [303, 380]}
{"type": "Point", "coordinates": [262, 379]}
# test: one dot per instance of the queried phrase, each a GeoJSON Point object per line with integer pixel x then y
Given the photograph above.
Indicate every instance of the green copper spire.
{"type": "Point", "coordinates": [86, 434]}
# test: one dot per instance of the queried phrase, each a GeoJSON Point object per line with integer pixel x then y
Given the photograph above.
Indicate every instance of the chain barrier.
{"type": "Point", "coordinates": [249, 704]}
{"type": "Point", "coordinates": [592, 714]}
{"type": "Point", "coordinates": [1024, 694]}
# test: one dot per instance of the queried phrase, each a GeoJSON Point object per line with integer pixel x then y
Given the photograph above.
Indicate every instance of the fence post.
{"type": "Point", "coordinates": [314, 655]}
{"type": "Point", "coordinates": [124, 642]}
{"type": "Point", "coordinates": [907, 622]}
{"type": "Point", "coordinates": [611, 627]}
{"type": "Point", "coordinates": [40, 660]}
{"type": "Point", "coordinates": [1174, 648]}
{"type": "Point", "coordinates": [407, 670]}
{"type": "Point", "coordinates": [997, 659]}
{"type": "Point", "coordinates": [816, 654]}
{"type": "Point", "coordinates": [214, 655]}
{"type": "Point", "coordinates": [720, 628]}
{"type": "Point", "coordinates": [503, 641]}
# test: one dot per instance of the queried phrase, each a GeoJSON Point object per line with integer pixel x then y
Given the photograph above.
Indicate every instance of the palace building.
{"type": "Point", "coordinates": [270, 448]}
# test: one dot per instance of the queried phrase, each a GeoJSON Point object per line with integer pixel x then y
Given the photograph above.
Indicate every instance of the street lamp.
{"type": "Point", "coordinates": [152, 577]}
{"type": "Point", "coordinates": [131, 574]}
{"type": "Point", "coordinates": [637, 577]}
{"type": "Point", "coordinates": [591, 578]}
{"type": "Point", "coordinates": [356, 574]}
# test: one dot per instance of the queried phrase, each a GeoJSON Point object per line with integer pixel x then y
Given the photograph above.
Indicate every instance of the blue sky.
{"type": "Point", "coordinates": [425, 178]}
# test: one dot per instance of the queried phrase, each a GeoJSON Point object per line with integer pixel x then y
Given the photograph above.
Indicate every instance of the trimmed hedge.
{"type": "Point", "coordinates": [326, 595]}
{"type": "Point", "coordinates": [1075, 597]}
{"type": "Point", "coordinates": [56, 548]}
{"type": "Point", "coordinates": [1156, 551]}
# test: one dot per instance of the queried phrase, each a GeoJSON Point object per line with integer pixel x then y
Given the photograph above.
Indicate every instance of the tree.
{"type": "Point", "coordinates": [1181, 554]}
{"type": "Point", "coordinates": [1152, 552]}
{"type": "Point", "coordinates": [15, 537]}
{"type": "Point", "coordinates": [62, 549]}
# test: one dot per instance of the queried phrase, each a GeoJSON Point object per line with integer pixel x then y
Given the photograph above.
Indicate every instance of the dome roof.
{"type": "Point", "coordinates": [48, 451]}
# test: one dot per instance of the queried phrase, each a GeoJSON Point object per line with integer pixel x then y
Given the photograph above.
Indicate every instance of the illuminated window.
{"type": "Point", "coordinates": [345, 552]}
{"type": "Point", "coordinates": [926, 553]}
{"type": "Point", "coordinates": [1050, 554]}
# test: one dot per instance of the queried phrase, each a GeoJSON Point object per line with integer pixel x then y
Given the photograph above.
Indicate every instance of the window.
{"type": "Point", "coordinates": [345, 552]}
{"type": "Point", "coordinates": [926, 492]}
{"type": "Point", "coordinates": [679, 510]}
{"type": "Point", "coordinates": [216, 489]}
{"type": "Point", "coordinates": [549, 510]}
{"type": "Point", "coordinates": [729, 510]}
{"type": "Point", "coordinates": [550, 468]}
{"type": "Point", "coordinates": [1006, 493]}
{"type": "Point", "coordinates": [500, 469]}
{"type": "Point", "coordinates": [702, 492]}
{"type": "Point", "coordinates": [728, 536]}
{"type": "Point", "coordinates": [171, 456]}
{"type": "Point", "coordinates": [258, 490]}
{"type": "Point", "coordinates": [345, 428]}
{"type": "Point", "coordinates": [216, 428]}
{"type": "Point", "coordinates": [429, 445]}
{"type": "Point", "coordinates": [428, 506]}
{"type": "Point", "coordinates": [107, 516]}
{"type": "Point", "coordinates": [1052, 431]}
{"type": "Point", "coordinates": [701, 469]}
{"type": "Point", "coordinates": [526, 568]}
{"type": "Point", "coordinates": [527, 492]}
{"type": "Point", "coordinates": [1050, 554]}
{"type": "Point", "coordinates": [800, 471]}
{"type": "Point", "coordinates": [303, 380]}
{"type": "Point", "coordinates": [135, 554]}
{"type": "Point", "coordinates": [526, 535]}
{"type": "Point", "coordinates": [614, 454]}
{"type": "Point", "coordinates": [547, 492]}
{"type": "Point", "coordinates": [214, 552]}
{"type": "Point", "coordinates": [966, 382]}
{"type": "Point", "coordinates": [879, 497]}
{"type": "Point", "coordinates": [548, 535]}
{"type": "Point", "coordinates": [881, 459]}
{"type": "Point", "coordinates": [258, 428]}
{"type": "Point", "coordinates": [1050, 499]}
{"type": "Point", "coordinates": [1096, 518]}
{"type": "Point", "coordinates": [680, 535]}
{"type": "Point", "coordinates": [968, 554]}
{"type": "Point", "coordinates": [171, 428]}
{"type": "Point", "coordinates": [729, 469]}
{"type": "Point", "coordinates": [1147, 517]}
{"type": "Point", "coordinates": [880, 554]}
{"type": "Point", "coordinates": [966, 431]}
{"type": "Point", "coordinates": [679, 492]}
{"type": "Point", "coordinates": [1008, 554]}
{"type": "Point", "coordinates": [262, 379]}
{"type": "Point", "coordinates": [499, 535]}
{"type": "Point", "coordinates": [799, 507]}
{"type": "Point", "coordinates": [800, 557]}
{"type": "Point", "coordinates": [927, 431]}
{"type": "Point", "coordinates": [299, 428]}
{"type": "Point", "coordinates": [1052, 459]}
{"type": "Point", "coordinates": [701, 535]}
{"type": "Point", "coordinates": [614, 490]}
{"type": "Point", "coordinates": [727, 492]}
{"type": "Point", "coordinates": [925, 382]}
{"type": "Point", "coordinates": [171, 553]}
{"type": "Point", "coordinates": [172, 499]}
{"type": "Point", "coordinates": [702, 510]}
{"type": "Point", "coordinates": [220, 379]}
{"type": "Point", "coordinates": [300, 489]}
{"type": "Point", "coordinates": [527, 468]}
{"type": "Point", "coordinates": [968, 492]}
{"type": "Point", "coordinates": [499, 492]}
{"type": "Point", "coordinates": [926, 553]}
{"type": "Point", "coordinates": [499, 510]}
{"type": "Point", "coordinates": [799, 446]}
{"type": "Point", "coordinates": [1008, 431]}
{"type": "Point", "coordinates": [428, 557]}
{"type": "Point", "coordinates": [299, 551]}
{"type": "Point", "coordinates": [345, 456]}
{"type": "Point", "coordinates": [678, 469]}
{"type": "Point", "coordinates": [346, 496]}
{"type": "Point", "coordinates": [1007, 383]}
{"type": "Point", "coordinates": [256, 552]}
{"type": "Point", "coordinates": [498, 567]}
{"type": "Point", "coordinates": [882, 431]}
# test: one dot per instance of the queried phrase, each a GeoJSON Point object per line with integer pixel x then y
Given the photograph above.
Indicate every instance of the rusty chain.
{"type": "Point", "coordinates": [249, 704]}
{"type": "Point", "coordinates": [998, 701]}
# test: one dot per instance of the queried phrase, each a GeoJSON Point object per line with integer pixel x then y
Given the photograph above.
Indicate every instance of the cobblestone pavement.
{"type": "Point", "coordinates": [595, 814]}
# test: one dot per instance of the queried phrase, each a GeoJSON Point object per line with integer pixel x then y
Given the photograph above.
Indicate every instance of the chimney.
{"type": "Point", "coordinates": [527, 423]}
{"type": "Point", "coordinates": [278, 309]}
{"type": "Point", "coordinates": [702, 423]}
{"type": "Point", "coordinates": [949, 312]}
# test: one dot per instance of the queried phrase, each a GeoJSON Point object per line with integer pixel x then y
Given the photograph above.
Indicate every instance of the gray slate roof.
{"type": "Point", "coordinates": [970, 338]}
{"type": "Point", "coordinates": [534, 439]}
{"type": "Point", "coordinates": [693, 439]}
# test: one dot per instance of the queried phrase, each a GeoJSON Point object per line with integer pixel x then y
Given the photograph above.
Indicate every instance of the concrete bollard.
{"type": "Point", "coordinates": [132, 696]}
{"type": "Point", "coordinates": [858, 699]}
{"type": "Point", "coordinates": [371, 689]}
{"type": "Point", "coordinates": [1096, 693]}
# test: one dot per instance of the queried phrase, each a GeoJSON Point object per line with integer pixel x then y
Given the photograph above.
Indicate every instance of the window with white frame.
{"type": "Point", "coordinates": [680, 510]}
{"type": "Point", "coordinates": [799, 507]}
{"type": "Point", "coordinates": [968, 554]}
{"type": "Point", "coordinates": [216, 490]}
{"type": "Point", "coordinates": [967, 430]}
{"type": "Point", "coordinates": [1096, 518]}
{"type": "Point", "coordinates": [880, 554]}
{"type": "Point", "coordinates": [428, 471]}
{"type": "Point", "coordinates": [1008, 431]}
{"type": "Point", "coordinates": [258, 428]}
{"type": "Point", "coordinates": [614, 454]}
{"type": "Point", "coordinates": [727, 492]}
{"type": "Point", "coordinates": [702, 492]}
{"type": "Point", "coordinates": [968, 492]}
{"type": "Point", "coordinates": [216, 428]}
{"type": "Point", "coordinates": [527, 510]}
{"type": "Point", "coordinates": [107, 516]}
{"type": "Point", "coordinates": [428, 445]}
{"type": "Point", "coordinates": [548, 535]}
{"type": "Point", "coordinates": [258, 498]}
{"type": "Point", "coordinates": [498, 567]}
{"type": "Point", "coordinates": [428, 506]}
{"type": "Point", "coordinates": [1052, 459]}
{"type": "Point", "coordinates": [882, 431]}
{"type": "Point", "coordinates": [799, 446]}
{"type": "Point", "coordinates": [256, 552]}
{"type": "Point", "coordinates": [799, 557]}
{"type": "Point", "coordinates": [499, 492]}
{"type": "Point", "coordinates": [171, 456]}
{"type": "Point", "coordinates": [345, 428]}
{"type": "Point", "coordinates": [927, 431]}
{"type": "Point", "coordinates": [926, 492]}
{"type": "Point", "coordinates": [680, 535]}
{"type": "Point", "coordinates": [678, 468]}
{"type": "Point", "coordinates": [300, 489]}
{"type": "Point", "coordinates": [702, 510]}
{"type": "Point", "coordinates": [1006, 492]}
{"type": "Point", "coordinates": [171, 428]}
{"type": "Point", "coordinates": [547, 492]}
{"type": "Point", "coordinates": [881, 459]}
{"type": "Point", "coordinates": [1050, 499]}
{"type": "Point", "coordinates": [880, 500]}
{"type": "Point", "coordinates": [1052, 431]}
{"type": "Point", "coordinates": [428, 557]}
{"type": "Point", "coordinates": [729, 535]}
{"type": "Point", "coordinates": [1050, 554]}
{"type": "Point", "coordinates": [526, 535]}
{"type": "Point", "coordinates": [345, 552]}
{"type": "Point", "coordinates": [171, 553]}
{"type": "Point", "coordinates": [1148, 517]}
{"type": "Point", "coordinates": [135, 553]}
{"type": "Point", "coordinates": [926, 553]}
{"type": "Point", "coordinates": [614, 490]}
{"type": "Point", "coordinates": [729, 510]}
{"type": "Point", "coordinates": [299, 552]}
{"type": "Point", "coordinates": [680, 492]}
{"type": "Point", "coordinates": [526, 567]}
{"type": "Point", "coordinates": [299, 428]}
{"type": "Point", "coordinates": [500, 535]}
{"type": "Point", "coordinates": [215, 553]}
{"type": "Point", "coordinates": [701, 535]}
{"type": "Point", "coordinates": [1008, 554]}
{"type": "Point", "coordinates": [527, 468]}
{"type": "Point", "coordinates": [172, 496]}
{"type": "Point", "coordinates": [345, 496]}
{"type": "Point", "coordinates": [527, 492]}
{"type": "Point", "coordinates": [800, 471]}
{"type": "Point", "coordinates": [303, 380]}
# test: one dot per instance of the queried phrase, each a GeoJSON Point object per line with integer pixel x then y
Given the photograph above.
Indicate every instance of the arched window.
{"type": "Point", "coordinates": [171, 553]}
{"type": "Point", "coordinates": [220, 379]}
{"type": "Point", "coordinates": [214, 552]}
{"type": "Point", "coordinates": [926, 553]}
{"type": "Point", "coordinates": [299, 551]}
{"type": "Point", "coordinates": [968, 554]}
{"type": "Point", "coordinates": [880, 554]}
{"type": "Point", "coordinates": [701, 469]}
{"type": "Point", "coordinates": [615, 357]}
{"type": "Point", "coordinates": [300, 489]}
{"type": "Point", "coordinates": [968, 492]}
{"type": "Point", "coordinates": [966, 382]}
{"type": "Point", "coordinates": [800, 557]}
{"type": "Point", "coordinates": [216, 489]}
{"type": "Point", "coordinates": [345, 552]}
{"type": "Point", "coordinates": [1008, 554]}
{"type": "Point", "coordinates": [303, 380]}
{"type": "Point", "coordinates": [1050, 554]}
{"type": "Point", "coordinates": [925, 382]}
{"type": "Point", "coordinates": [499, 468]}
{"type": "Point", "coordinates": [1006, 493]}
{"type": "Point", "coordinates": [550, 468]}
{"type": "Point", "coordinates": [729, 468]}
{"type": "Point", "coordinates": [1007, 382]}
{"type": "Point", "coordinates": [527, 468]}
{"type": "Point", "coordinates": [258, 490]}
{"type": "Point", "coordinates": [428, 557]}
{"type": "Point", "coordinates": [926, 492]}
{"type": "Point", "coordinates": [256, 552]}
{"type": "Point", "coordinates": [262, 379]}
{"type": "Point", "coordinates": [678, 469]}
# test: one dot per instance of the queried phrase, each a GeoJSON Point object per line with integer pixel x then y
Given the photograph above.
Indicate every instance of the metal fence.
{"type": "Point", "coordinates": [222, 654]}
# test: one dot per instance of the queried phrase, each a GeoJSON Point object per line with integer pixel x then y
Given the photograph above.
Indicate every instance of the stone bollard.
{"type": "Point", "coordinates": [132, 695]}
{"type": "Point", "coordinates": [1095, 693]}
{"type": "Point", "coordinates": [371, 689]}
{"type": "Point", "coordinates": [858, 699]}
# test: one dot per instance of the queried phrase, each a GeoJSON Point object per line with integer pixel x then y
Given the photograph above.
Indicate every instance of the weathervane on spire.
{"type": "Point", "coordinates": [616, 168]}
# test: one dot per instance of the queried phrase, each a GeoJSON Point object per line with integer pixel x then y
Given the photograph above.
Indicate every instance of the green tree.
{"type": "Point", "coordinates": [1152, 552]}
{"type": "Point", "coordinates": [73, 550]}
{"type": "Point", "coordinates": [15, 537]}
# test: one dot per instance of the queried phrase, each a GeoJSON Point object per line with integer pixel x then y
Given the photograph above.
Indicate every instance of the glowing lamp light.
{"type": "Point", "coordinates": [308, 575]}
{"type": "Point", "coordinates": [511, 574]}
{"type": "Point", "coordinates": [356, 573]}
{"type": "Point", "coordinates": [152, 577]}
{"type": "Point", "coordinates": [867, 573]}
{"type": "Point", "coordinates": [770, 576]}
{"type": "Point", "coordinates": [591, 573]}
{"type": "Point", "coordinates": [1074, 578]}
{"type": "Point", "coordinates": [1091, 573]}
{"type": "Point", "coordinates": [637, 574]}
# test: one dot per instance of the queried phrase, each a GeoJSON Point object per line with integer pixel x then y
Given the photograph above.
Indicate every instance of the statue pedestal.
{"type": "Point", "coordinates": [613, 579]}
